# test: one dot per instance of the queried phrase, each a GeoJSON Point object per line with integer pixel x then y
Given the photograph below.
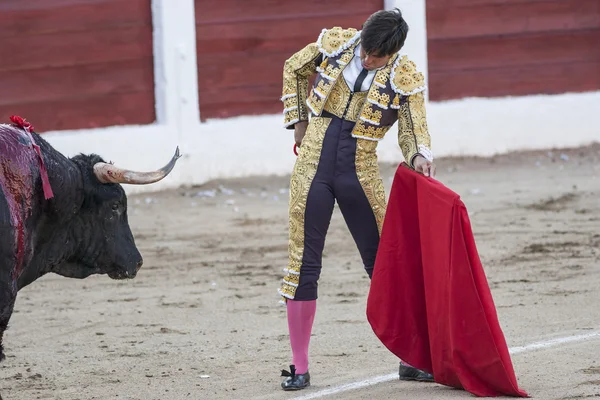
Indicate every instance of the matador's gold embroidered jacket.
{"type": "Point", "coordinates": [396, 93]}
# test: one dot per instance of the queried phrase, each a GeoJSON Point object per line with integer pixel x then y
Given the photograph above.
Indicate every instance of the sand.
{"type": "Point", "coordinates": [202, 319]}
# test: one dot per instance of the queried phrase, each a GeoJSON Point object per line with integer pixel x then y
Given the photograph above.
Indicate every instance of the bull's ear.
{"type": "Point", "coordinates": [109, 173]}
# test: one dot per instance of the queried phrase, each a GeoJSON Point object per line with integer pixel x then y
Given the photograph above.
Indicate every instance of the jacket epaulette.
{"type": "Point", "coordinates": [405, 79]}
{"type": "Point", "coordinates": [332, 42]}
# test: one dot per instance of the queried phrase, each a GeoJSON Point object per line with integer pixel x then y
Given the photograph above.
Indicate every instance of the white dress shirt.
{"type": "Point", "coordinates": [353, 69]}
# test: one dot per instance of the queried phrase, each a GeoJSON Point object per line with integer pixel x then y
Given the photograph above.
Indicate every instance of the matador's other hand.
{"type": "Point", "coordinates": [424, 166]}
{"type": "Point", "coordinates": [300, 131]}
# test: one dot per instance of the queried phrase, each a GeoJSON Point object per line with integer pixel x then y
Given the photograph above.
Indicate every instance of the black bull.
{"type": "Point", "coordinates": [82, 229]}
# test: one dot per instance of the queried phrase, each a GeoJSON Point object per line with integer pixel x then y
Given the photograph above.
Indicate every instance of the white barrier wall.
{"type": "Point", "coordinates": [260, 146]}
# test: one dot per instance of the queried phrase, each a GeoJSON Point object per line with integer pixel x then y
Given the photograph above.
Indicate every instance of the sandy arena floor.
{"type": "Point", "coordinates": [202, 319]}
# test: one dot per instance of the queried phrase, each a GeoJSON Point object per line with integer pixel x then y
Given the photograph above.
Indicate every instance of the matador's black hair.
{"type": "Point", "coordinates": [384, 33]}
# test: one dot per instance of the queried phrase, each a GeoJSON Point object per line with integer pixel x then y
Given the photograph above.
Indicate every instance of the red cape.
{"type": "Point", "coordinates": [429, 301]}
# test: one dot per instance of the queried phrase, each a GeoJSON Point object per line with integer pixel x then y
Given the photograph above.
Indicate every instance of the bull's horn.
{"type": "Point", "coordinates": [108, 173]}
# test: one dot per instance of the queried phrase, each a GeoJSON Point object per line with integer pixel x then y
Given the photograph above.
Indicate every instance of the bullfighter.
{"type": "Point", "coordinates": [363, 87]}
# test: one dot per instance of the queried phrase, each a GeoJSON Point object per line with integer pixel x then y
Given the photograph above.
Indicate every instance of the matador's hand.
{"type": "Point", "coordinates": [300, 131]}
{"type": "Point", "coordinates": [424, 166]}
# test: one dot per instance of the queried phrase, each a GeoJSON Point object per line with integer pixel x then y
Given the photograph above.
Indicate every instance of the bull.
{"type": "Point", "coordinates": [61, 215]}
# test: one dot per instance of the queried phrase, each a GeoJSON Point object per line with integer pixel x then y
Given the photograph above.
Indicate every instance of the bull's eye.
{"type": "Point", "coordinates": [115, 206]}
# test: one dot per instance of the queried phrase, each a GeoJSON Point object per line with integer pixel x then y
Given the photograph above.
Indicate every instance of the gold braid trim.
{"type": "Point", "coordinates": [413, 133]}
{"type": "Point", "coordinates": [303, 174]}
{"type": "Point", "coordinates": [367, 171]}
{"type": "Point", "coordinates": [365, 131]}
{"type": "Point", "coordinates": [296, 71]}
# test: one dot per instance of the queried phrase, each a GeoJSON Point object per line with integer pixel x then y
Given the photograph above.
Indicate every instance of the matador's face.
{"type": "Point", "coordinates": [371, 62]}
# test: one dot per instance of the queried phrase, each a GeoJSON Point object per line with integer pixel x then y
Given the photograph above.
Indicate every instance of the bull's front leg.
{"type": "Point", "coordinates": [8, 295]}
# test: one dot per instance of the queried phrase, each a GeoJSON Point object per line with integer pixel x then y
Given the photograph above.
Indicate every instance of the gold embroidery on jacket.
{"type": "Point", "coordinates": [323, 88]}
{"type": "Point", "coordinates": [338, 99]}
{"type": "Point", "coordinates": [380, 80]}
{"type": "Point", "coordinates": [314, 103]}
{"type": "Point", "coordinates": [371, 115]}
{"type": "Point", "coordinates": [333, 41]}
{"type": "Point", "coordinates": [396, 103]}
{"type": "Point", "coordinates": [412, 126]}
{"type": "Point", "coordinates": [321, 92]}
{"type": "Point", "coordinates": [324, 63]}
{"type": "Point", "coordinates": [416, 104]}
{"type": "Point", "coordinates": [292, 115]}
{"type": "Point", "coordinates": [405, 78]}
{"type": "Point", "coordinates": [303, 174]}
{"type": "Point", "coordinates": [364, 131]}
{"type": "Point", "coordinates": [356, 105]}
{"type": "Point", "coordinates": [307, 70]}
{"type": "Point", "coordinates": [332, 71]}
{"type": "Point", "coordinates": [296, 71]}
{"type": "Point", "coordinates": [382, 100]}
{"type": "Point", "coordinates": [370, 118]}
{"type": "Point", "coordinates": [290, 103]}
{"type": "Point", "coordinates": [346, 57]}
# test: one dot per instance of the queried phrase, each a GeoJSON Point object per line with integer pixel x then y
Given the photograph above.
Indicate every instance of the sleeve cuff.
{"type": "Point", "coordinates": [423, 152]}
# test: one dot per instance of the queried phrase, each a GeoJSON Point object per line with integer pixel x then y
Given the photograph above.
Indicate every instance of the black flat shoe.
{"type": "Point", "coordinates": [407, 373]}
{"type": "Point", "coordinates": [294, 381]}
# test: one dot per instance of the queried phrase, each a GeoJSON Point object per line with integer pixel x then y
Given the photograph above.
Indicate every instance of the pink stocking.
{"type": "Point", "coordinates": [301, 315]}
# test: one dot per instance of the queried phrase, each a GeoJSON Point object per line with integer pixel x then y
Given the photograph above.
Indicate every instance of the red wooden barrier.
{"type": "Point", "coordinates": [490, 48]}
{"type": "Point", "coordinates": [243, 44]}
{"type": "Point", "coordinates": [71, 64]}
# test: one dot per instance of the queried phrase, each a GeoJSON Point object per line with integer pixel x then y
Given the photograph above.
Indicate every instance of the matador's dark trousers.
{"type": "Point", "coordinates": [332, 166]}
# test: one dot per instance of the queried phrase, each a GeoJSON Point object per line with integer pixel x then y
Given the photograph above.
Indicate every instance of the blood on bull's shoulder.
{"type": "Point", "coordinates": [61, 215]}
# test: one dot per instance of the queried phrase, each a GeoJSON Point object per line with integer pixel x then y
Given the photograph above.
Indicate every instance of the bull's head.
{"type": "Point", "coordinates": [100, 229]}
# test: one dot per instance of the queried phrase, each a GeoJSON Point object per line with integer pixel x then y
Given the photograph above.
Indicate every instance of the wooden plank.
{"type": "Point", "coordinates": [7, 5]}
{"type": "Point", "coordinates": [76, 48]}
{"type": "Point", "coordinates": [512, 18]}
{"type": "Point", "coordinates": [234, 109]}
{"type": "Point", "coordinates": [256, 37]}
{"type": "Point", "coordinates": [447, 4]}
{"type": "Point", "coordinates": [282, 29]}
{"type": "Point", "coordinates": [85, 113]}
{"type": "Point", "coordinates": [521, 81]}
{"type": "Point", "coordinates": [239, 74]}
{"type": "Point", "coordinates": [526, 49]}
{"type": "Point", "coordinates": [236, 75]}
{"type": "Point", "coordinates": [50, 16]}
{"type": "Point", "coordinates": [50, 84]}
{"type": "Point", "coordinates": [217, 102]}
{"type": "Point", "coordinates": [244, 10]}
{"type": "Point", "coordinates": [253, 91]}
{"type": "Point", "coordinates": [219, 59]}
{"type": "Point", "coordinates": [227, 102]}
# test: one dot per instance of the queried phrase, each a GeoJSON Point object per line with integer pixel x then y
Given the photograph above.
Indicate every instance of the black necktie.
{"type": "Point", "coordinates": [360, 79]}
